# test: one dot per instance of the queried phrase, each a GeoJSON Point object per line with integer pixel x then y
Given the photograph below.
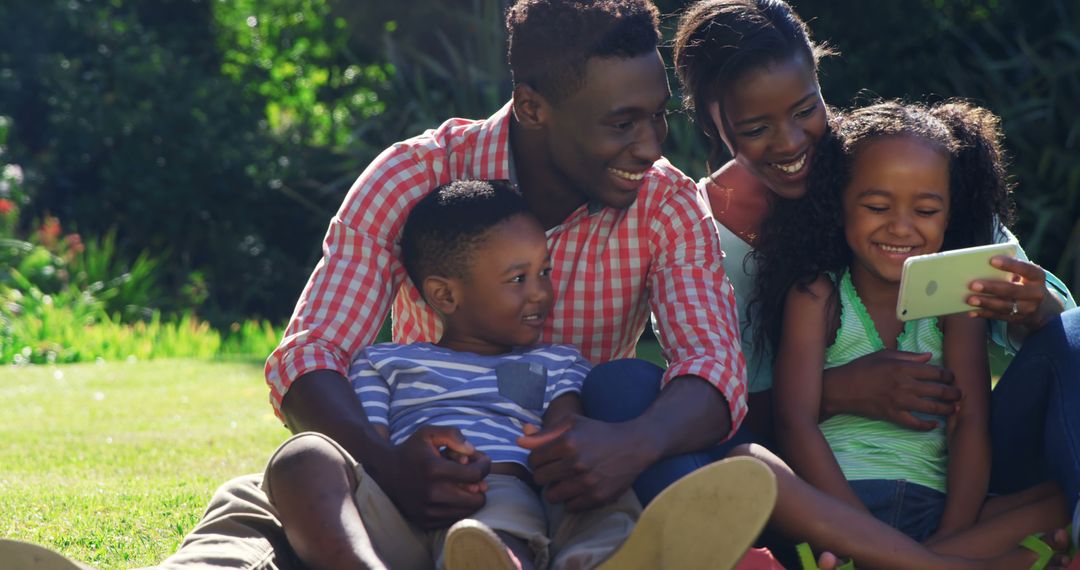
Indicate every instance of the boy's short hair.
{"type": "Point", "coordinates": [447, 225]}
{"type": "Point", "coordinates": [550, 41]}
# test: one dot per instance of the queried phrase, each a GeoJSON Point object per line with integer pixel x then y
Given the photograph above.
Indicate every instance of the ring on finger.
{"type": "Point", "coordinates": [1014, 310]}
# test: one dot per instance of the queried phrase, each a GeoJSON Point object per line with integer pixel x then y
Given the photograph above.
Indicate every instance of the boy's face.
{"type": "Point", "coordinates": [603, 137]}
{"type": "Point", "coordinates": [505, 297]}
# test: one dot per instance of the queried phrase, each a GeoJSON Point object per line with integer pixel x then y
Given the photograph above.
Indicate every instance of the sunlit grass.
{"type": "Point", "coordinates": [112, 464]}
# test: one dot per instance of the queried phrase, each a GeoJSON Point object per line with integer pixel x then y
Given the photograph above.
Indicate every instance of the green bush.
{"type": "Point", "coordinates": [54, 264]}
{"type": "Point", "coordinates": [128, 290]}
{"type": "Point", "coordinates": [36, 328]}
{"type": "Point", "coordinates": [66, 304]}
{"type": "Point", "coordinates": [250, 338]}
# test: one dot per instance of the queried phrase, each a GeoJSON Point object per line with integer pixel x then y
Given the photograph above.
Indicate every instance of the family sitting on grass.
{"type": "Point", "coordinates": [509, 426]}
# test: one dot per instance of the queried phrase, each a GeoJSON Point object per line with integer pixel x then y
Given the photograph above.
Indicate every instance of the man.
{"type": "Point", "coordinates": [628, 236]}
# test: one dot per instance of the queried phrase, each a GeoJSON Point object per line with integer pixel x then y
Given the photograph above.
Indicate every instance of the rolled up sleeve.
{"type": "Point", "coordinates": [692, 302]}
{"type": "Point", "coordinates": [349, 293]}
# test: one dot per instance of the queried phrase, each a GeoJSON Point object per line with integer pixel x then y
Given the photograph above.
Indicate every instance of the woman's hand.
{"type": "Point", "coordinates": [1023, 301]}
{"type": "Point", "coordinates": [890, 385]}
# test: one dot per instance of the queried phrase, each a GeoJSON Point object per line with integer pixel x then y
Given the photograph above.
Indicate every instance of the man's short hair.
{"type": "Point", "coordinates": [446, 226]}
{"type": "Point", "coordinates": [550, 41]}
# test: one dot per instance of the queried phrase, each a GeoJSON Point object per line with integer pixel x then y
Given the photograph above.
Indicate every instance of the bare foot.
{"type": "Point", "coordinates": [1021, 557]}
{"type": "Point", "coordinates": [828, 561]}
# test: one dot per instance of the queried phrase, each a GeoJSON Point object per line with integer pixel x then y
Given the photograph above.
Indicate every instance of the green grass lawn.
{"type": "Point", "coordinates": [112, 464]}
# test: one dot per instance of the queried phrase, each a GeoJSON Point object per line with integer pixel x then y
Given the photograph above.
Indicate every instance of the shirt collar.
{"type": "Point", "coordinates": [496, 129]}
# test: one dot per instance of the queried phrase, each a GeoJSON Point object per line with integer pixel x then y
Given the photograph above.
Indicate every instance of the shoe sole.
{"type": "Point", "coordinates": [705, 521]}
{"type": "Point", "coordinates": [17, 555]}
{"type": "Point", "coordinates": [472, 545]}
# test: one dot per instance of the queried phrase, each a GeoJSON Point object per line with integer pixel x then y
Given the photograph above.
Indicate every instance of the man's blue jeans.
{"type": "Point", "coordinates": [620, 391]}
{"type": "Point", "coordinates": [1035, 414]}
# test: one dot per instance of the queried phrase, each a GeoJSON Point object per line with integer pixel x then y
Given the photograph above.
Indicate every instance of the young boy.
{"type": "Point", "coordinates": [480, 260]}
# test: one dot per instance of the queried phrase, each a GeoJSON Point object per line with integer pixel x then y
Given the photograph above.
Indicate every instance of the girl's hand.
{"type": "Point", "coordinates": [1023, 301]}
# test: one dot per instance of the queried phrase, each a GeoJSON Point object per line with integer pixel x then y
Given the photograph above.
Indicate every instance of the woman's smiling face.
{"type": "Point", "coordinates": [771, 118]}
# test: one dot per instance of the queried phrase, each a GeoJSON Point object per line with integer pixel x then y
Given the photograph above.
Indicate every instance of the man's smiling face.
{"type": "Point", "coordinates": [602, 138]}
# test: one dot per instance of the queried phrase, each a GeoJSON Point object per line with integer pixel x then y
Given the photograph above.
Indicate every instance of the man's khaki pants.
{"type": "Point", "coordinates": [241, 527]}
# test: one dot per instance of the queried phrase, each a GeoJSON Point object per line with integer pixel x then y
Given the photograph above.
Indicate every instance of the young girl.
{"type": "Point", "coordinates": [892, 181]}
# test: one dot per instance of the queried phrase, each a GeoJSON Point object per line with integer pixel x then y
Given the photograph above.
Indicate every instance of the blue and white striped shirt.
{"type": "Point", "coordinates": [406, 386]}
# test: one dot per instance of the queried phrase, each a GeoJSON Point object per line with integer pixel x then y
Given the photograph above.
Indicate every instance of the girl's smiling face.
{"type": "Point", "coordinates": [896, 205]}
{"type": "Point", "coordinates": [771, 118]}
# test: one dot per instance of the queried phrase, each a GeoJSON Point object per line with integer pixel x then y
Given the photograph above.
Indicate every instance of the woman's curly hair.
{"type": "Point", "coordinates": [803, 238]}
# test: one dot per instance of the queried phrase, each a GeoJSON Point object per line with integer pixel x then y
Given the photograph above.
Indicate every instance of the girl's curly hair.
{"type": "Point", "coordinates": [803, 238]}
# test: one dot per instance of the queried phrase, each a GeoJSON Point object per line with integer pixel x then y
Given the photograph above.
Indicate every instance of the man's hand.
{"type": "Point", "coordinates": [890, 385]}
{"type": "Point", "coordinates": [584, 463]}
{"type": "Point", "coordinates": [437, 477]}
{"type": "Point", "coordinates": [431, 489]}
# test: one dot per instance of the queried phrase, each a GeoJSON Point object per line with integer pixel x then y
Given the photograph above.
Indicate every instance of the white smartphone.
{"type": "Point", "coordinates": [937, 284]}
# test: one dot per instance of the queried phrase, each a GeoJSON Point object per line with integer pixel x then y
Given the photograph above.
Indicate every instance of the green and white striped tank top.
{"type": "Point", "coordinates": [873, 449]}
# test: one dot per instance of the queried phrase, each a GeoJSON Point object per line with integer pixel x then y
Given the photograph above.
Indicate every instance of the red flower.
{"type": "Point", "coordinates": [74, 243]}
{"type": "Point", "coordinates": [6, 206]}
{"type": "Point", "coordinates": [50, 231]}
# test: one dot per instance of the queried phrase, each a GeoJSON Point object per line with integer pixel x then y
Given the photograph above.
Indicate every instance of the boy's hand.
{"type": "Point", "coordinates": [458, 457]}
{"type": "Point", "coordinates": [583, 463]}
{"type": "Point", "coordinates": [432, 485]}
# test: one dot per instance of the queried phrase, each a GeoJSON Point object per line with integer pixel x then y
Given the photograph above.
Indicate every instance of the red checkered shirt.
{"type": "Point", "coordinates": [610, 267]}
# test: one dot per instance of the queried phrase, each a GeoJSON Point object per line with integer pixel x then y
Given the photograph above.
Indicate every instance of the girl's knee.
{"type": "Point", "coordinates": [763, 454]}
{"type": "Point", "coordinates": [742, 450]}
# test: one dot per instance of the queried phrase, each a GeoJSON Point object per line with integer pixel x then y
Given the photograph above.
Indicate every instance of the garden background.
{"type": "Point", "coordinates": [168, 168]}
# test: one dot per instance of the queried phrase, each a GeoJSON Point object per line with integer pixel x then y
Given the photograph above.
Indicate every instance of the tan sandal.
{"type": "Point", "coordinates": [705, 521]}
{"type": "Point", "coordinates": [472, 545]}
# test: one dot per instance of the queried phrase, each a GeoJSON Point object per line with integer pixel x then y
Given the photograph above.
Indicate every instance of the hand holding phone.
{"type": "Point", "coordinates": [937, 284]}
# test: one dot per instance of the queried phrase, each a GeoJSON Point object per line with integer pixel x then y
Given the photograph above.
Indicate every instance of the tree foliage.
{"type": "Point", "coordinates": [221, 135]}
{"type": "Point", "coordinates": [122, 116]}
